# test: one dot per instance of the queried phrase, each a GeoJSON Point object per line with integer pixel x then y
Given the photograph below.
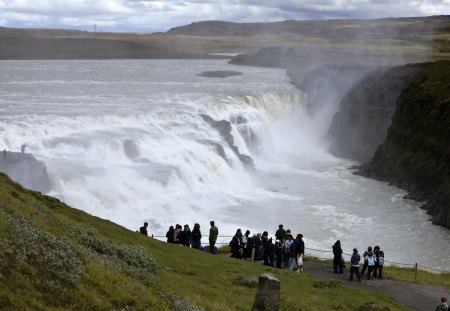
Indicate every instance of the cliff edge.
{"type": "Point", "coordinates": [416, 152]}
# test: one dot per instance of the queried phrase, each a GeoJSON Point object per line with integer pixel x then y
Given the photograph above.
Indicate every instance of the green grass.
{"type": "Point", "coordinates": [58, 258]}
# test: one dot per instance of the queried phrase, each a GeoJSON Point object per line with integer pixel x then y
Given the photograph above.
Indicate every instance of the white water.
{"type": "Point", "coordinates": [123, 140]}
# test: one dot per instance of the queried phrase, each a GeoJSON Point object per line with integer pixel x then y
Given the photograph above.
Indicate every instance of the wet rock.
{"type": "Point", "coordinates": [218, 147]}
{"type": "Point", "coordinates": [219, 74]}
{"type": "Point", "coordinates": [131, 149]}
{"type": "Point", "coordinates": [268, 294]}
{"type": "Point", "coordinates": [24, 169]}
{"type": "Point", "coordinates": [224, 128]}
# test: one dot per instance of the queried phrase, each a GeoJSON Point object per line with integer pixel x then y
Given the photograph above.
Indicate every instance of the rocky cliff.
{"type": "Point", "coordinates": [416, 152]}
{"type": "Point", "coordinates": [365, 112]}
{"type": "Point", "coordinates": [25, 169]}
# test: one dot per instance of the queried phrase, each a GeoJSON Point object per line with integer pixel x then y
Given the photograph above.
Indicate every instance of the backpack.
{"type": "Point", "coordinates": [287, 245]}
{"type": "Point", "coordinates": [381, 258]}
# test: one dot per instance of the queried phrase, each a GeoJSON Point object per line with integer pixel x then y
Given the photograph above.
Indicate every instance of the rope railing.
{"type": "Point", "coordinates": [313, 252]}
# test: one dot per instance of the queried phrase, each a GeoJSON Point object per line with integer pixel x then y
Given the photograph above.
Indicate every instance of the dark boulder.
{"type": "Point", "coordinates": [24, 169]}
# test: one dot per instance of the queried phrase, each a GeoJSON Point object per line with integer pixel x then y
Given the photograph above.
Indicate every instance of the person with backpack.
{"type": "Point", "coordinates": [337, 259]}
{"type": "Point", "coordinates": [354, 268]}
{"type": "Point", "coordinates": [364, 268]}
{"type": "Point", "coordinates": [378, 269]}
{"type": "Point", "coordinates": [196, 237]}
{"type": "Point", "coordinates": [371, 260]}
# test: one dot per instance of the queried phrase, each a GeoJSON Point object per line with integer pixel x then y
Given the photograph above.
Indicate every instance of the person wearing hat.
{"type": "Point", "coordinates": [442, 306]}
{"type": "Point", "coordinates": [354, 268]}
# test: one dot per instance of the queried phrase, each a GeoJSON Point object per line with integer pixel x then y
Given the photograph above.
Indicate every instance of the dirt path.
{"type": "Point", "coordinates": [418, 297]}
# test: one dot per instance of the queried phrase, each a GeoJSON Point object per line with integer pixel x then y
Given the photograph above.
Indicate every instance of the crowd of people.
{"type": "Point", "coordinates": [286, 252]}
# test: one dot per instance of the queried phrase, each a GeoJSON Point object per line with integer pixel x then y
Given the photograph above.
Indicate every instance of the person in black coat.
{"type": "Point", "coordinates": [143, 229]}
{"type": "Point", "coordinates": [337, 260]}
{"type": "Point", "coordinates": [169, 234]}
{"type": "Point", "coordinates": [196, 237]}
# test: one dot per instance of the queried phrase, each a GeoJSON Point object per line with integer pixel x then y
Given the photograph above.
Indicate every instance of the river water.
{"type": "Point", "coordinates": [123, 140]}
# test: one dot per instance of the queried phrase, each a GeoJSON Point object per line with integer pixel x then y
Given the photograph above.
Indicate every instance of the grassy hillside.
{"type": "Point", "coordinates": [58, 258]}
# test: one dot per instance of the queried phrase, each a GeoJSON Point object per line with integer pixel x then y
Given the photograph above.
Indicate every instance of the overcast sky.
{"type": "Point", "coordinates": [151, 15]}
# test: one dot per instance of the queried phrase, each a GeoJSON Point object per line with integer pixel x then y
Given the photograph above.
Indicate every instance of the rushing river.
{"type": "Point", "coordinates": [123, 140]}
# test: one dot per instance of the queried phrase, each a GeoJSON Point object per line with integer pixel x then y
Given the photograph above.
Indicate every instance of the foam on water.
{"type": "Point", "coordinates": [124, 140]}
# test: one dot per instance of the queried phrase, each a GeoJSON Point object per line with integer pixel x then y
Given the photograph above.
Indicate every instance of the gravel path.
{"type": "Point", "coordinates": [419, 297]}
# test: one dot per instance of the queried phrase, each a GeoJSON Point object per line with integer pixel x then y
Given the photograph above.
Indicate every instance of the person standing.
{"type": "Point", "coordinates": [364, 268]}
{"type": "Point", "coordinates": [354, 268]}
{"type": "Point", "coordinates": [177, 234]}
{"type": "Point", "coordinates": [270, 249]}
{"type": "Point", "coordinates": [186, 236]}
{"type": "Point", "coordinates": [337, 260]}
{"type": "Point", "coordinates": [280, 234]}
{"type": "Point", "coordinates": [235, 244]}
{"type": "Point", "coordinates": [246, 245]}
{"type": "Point", "coordinates": [378, 269]}
{"type": "Point", "coordinates": [213, 234]}
{"type": "Point", "coordinates": [442, 306]}
{"type": "Point", "coordinates": [143, 229]}
{"type": "Point", "coordinates": [287, 249]}
{"type": "Point", "coordinates": [265, 254]}
{"type": "Point", "coordinates": [196, 237]}
{"type": "Point", "coordinates": [279, 252]}
{"type": "Point", "coordinates": [371, 260]}
{"type": "Point", "coordinates": [169, 234]}
{"type": "Point", "coordinates": [300, 252]}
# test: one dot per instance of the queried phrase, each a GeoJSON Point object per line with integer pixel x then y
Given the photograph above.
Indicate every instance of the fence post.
{"type": "Point", "coordinates": [415, 273]}
{"type": "Point", "coordinates": [253, 254]}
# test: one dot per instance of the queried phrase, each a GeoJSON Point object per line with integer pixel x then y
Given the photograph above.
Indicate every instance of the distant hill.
{"type": "Point", "coordinates": [321, 28]}
{"type": "Point", "coordinates": [411, 36]}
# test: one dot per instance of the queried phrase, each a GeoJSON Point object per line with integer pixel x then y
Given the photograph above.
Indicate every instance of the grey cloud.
{"type": "Point", "coordinates": [150, 15]}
